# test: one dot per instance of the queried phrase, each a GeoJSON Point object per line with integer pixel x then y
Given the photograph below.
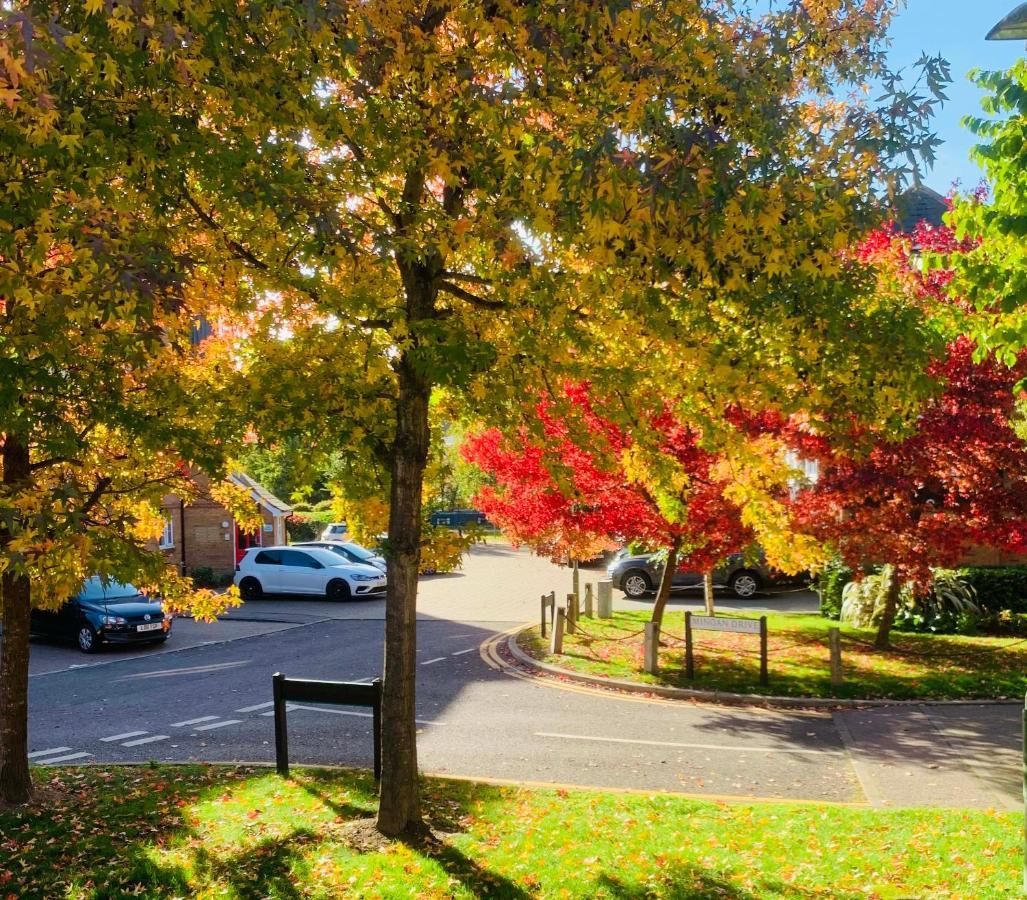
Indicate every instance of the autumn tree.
{"type": "Point", "coordinates": [105, 272]}
{"type": "Point", "coordinates": [469, 194]}
{"type": "Point", "coordinates": [954, 482]}
{"type": "Point", "coordinates": [578, 481]}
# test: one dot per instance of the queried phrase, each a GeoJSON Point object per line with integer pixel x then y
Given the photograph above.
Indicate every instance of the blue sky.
{"type": "Point", "coordinates": [955, 29]}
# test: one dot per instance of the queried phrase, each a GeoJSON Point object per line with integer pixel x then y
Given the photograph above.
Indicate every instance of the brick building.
{"type": "Point", "coordinates": [204, 534]}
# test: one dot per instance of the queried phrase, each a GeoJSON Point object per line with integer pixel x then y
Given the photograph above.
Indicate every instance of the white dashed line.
{"type": "Point", "coordinates": [48, 752]}
{"type": "Point", "coordinates": [121, 737]}
{"type": "Point", "coordinates": [462, 652]}
{"type": "Point", "coordinates": [217, 724]}
{"type": "Point", "coordinates": [428, 662]}
{"type": "Point", "coordinates": [734, 748]}
{"type": "Point", "coordinates": [256, 706]}
{"type": "Point", "coordinates": [58, 759]}
{"type": "Point", "coordinates": [194, 721]}
{"type": "Point", "coordinates": [152, 739]}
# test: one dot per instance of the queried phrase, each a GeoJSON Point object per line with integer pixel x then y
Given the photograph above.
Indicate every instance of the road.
{"type": "Point", "coordinates": [206, 696]}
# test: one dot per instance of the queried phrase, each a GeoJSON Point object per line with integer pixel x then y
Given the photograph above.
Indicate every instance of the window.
{"type": "Point", "coordinates": [269, 558]}
{"type": "Point", "coordinates": [299, 560]}
{"type": "Point", "coordinates": [167, 536]}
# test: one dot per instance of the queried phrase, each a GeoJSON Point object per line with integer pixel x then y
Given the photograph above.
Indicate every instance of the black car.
{"type": "Point", "coordinates": [105, 612]}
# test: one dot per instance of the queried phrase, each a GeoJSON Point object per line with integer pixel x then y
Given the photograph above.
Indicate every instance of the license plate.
{"type": "Point", "coordinates": [152, 626]}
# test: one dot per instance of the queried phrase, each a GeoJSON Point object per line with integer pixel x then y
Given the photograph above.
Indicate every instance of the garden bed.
{"type": "Point", "coordinates": [920, 666]}
{"type": "Point", "coordinates": [238, 832]}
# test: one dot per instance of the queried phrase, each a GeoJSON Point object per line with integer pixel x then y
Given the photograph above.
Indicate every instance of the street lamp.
{"type": "Point", "coordinates": [1012, 28]}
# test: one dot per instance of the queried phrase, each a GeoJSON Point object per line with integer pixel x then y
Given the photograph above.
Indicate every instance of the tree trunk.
{"type": "Point", "coordinates": [891, 606]}
{"type": "Point", "coordinates": [707, 589]}
{"type": "Point", "coordinates": [663, 594]}
{"type": "Point", "coordinates": [399, 809]}
{"type": "Point", "coordinates": [15, 598]}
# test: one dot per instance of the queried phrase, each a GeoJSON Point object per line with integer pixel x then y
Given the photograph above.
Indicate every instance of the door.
{"type": "Point", "coordinates": [244, 540]}
{"type": "Point", "coordinates": [301, 573]}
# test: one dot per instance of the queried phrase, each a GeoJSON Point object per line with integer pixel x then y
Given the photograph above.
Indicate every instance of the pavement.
{"type": "Point", "coordinates": [206, 695]}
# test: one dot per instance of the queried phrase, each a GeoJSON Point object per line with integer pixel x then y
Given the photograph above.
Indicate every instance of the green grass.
{"type": "Point", "coordinates": [244, 833]}
{"type": "Point", "coordinates": [920, 666]}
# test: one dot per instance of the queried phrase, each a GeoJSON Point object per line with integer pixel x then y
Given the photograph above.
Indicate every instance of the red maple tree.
{"type": "Point", "coordinates": [562, 489]}
{"type": "Point", "coordinates": [957, 482]}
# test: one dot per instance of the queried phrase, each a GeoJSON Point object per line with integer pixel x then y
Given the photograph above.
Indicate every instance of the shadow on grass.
{"type": "Point", "coordinates": [686, 882]}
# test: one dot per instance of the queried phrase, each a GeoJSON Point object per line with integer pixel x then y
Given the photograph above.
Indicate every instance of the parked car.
{"type": "Point", "coordinates": [311, 570]}
{"type": "Point", "coordinates": [335, 531]}
{"type": "Point", "coordinates": [640, 574]}
{"type": "Point", "coordinates": [458, 518]}
{"type": "Point", "coordinates": [349, 551]}
{"type": "Point", "coordinates": [105, 612]}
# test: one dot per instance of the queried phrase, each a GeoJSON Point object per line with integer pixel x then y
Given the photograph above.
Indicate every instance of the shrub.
{"type": "Point", "coordinates": [998, 589]}
{"type": "Point", "coordinates": [829, 586]}
{"type": "Point", "coordinates": [206, 577]}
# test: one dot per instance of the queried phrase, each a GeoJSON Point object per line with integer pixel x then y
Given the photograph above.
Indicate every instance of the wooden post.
{"type": "Point", "coordinates": [651, 662]}
{"type": "Point", "coordinates": [605, 601]}
{"type": "Point", "coordinates": [576, 583]}
{"type": "Point", "coordinates": [377, 726]}
{"type": "Point", "coordinates": [835, 642]}
{"type": "Point", "coordinates": [572, 614]}
{"type": "Point", "coordinates": [556, 641]}
{"type": "Point", "coordinates": [689, 657]}
{"type": "Point", "coordinates": [542, 626]}
{"type": "Point", "coordinates": [281, 733]}
{"type": "Point", "coordinates": [764, 676]}
{"type": "Point", "coordinates": [589, 608]}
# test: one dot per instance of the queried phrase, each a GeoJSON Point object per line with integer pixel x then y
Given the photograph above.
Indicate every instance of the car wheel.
{"type": "Point", "coordinates": [88, 639]}
{"type": "Point", "coordinates": [337, 591]}
{"type": "Point", "coordinates": [745, 584]}
{"type": "Point", "coordinates": [636, 584]}
{"type": "Point", "coordinates": [250, 589]}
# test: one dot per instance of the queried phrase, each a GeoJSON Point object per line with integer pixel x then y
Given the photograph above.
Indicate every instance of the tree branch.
{"type": "Point", "coordinates": [473, 299]}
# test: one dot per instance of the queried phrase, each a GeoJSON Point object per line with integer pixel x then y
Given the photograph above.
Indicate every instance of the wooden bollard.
{"type": "Point", "coordinates": [605, 600]}
{"type": "Point", "coordinates": [544, 604]}
{"type": "Point", "coordinates": [576, 583]}
{"type": "Point", "coordinates": [650, 661]}
{"type": "Point", "coordinates": [834, 639]}
{"type": "Point", "coordinates": [556, 640]}
{"type": "Point", "coordinates": [572, 614]}
{"type": "Point", "coordinates": [589, 608]}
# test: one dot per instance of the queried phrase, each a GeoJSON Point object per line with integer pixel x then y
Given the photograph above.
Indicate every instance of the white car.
{"type": "Point", "coordinates": [310, 570]}
{"type": "Point", "coordinates": [349, 552]}
{"type": "Point", "coordinates": [335, 531]}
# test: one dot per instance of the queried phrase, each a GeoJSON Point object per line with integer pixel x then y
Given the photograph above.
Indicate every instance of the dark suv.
{"type": "Point", "coordinates": [640, 574]}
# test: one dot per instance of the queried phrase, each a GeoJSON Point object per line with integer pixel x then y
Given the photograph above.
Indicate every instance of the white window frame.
{"type": "Point", "coordinates": [167, 537]}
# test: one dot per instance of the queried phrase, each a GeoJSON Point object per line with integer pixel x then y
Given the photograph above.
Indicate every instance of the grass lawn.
{"type": "Point", "coordinates": [245, 833]}
{"type": "Point", "coordinates": [920, 666]}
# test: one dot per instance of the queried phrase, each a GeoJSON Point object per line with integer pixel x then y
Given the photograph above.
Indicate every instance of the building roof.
{"type": "Point", "coordinates": [919, 204]}
{"type": "Point", "coordinates": [261, 494]}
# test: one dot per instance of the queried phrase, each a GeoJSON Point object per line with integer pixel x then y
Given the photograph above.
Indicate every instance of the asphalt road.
{"type": "Point", "coordinates": [206, 695]}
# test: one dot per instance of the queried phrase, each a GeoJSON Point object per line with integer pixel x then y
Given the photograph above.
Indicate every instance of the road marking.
{"type": "Point", "coordinates": [57, 759]}
{"type": "Point", "coordinates": [48, 752]}
{"type": "Point", "coordinates": [188, 670]}
{"type": "Point", "coordinates": [462, 652]}
{"type": "Point", "coordinates": [152, 739]}
{"type": "Point", "coordinates": [194, 721]}
{"type": "Point", "coordinates": [350, 712]}
{"type": "Point", "coordinates": [256, 706]}
{"type": "Point", "coordinates": [217, 724]}
{"type": "Point", "coordinates": [428, 662]}
{"type": "Point", "coordinates": [736, 748]}
{"type": "Point", "coordinates": [121, 737]}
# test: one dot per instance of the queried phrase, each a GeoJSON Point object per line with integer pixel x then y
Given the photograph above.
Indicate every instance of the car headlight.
{"type": "Point", "coordinates": [113, 620]}
{"type": "Point", "coordinates": [366, 577]}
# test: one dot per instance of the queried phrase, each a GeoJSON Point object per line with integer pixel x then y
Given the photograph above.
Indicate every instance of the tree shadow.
{"type": "Point", "coordinates": [684, 881]}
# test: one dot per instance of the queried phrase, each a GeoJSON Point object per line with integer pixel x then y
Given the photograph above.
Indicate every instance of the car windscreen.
{"type": "Point", "coordinates": [95, 589]}
{"type": "Point", "coordinates": [359, 552]}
